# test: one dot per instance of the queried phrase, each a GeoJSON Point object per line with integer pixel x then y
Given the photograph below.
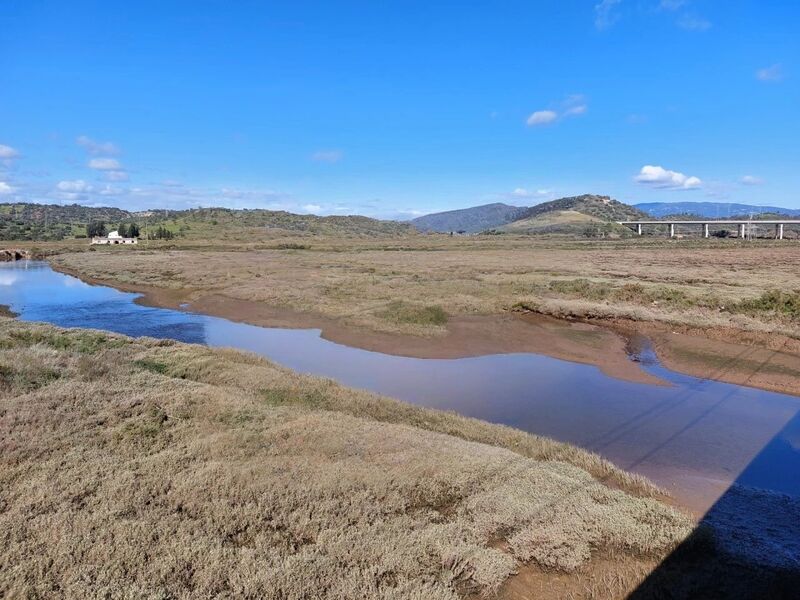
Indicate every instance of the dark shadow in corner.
{"type": "Point", "coordinates": [747, 545]}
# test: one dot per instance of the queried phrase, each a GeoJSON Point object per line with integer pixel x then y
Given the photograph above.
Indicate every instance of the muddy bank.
{"type": "Point", "coordinates": [770, 362]}
{"type": "Point", "coordinates": [8, 254]}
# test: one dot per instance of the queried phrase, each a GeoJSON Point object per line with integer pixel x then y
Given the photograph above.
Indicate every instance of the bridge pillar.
{"type": "Point", "coordinates": [742, 227]}
{"type": "Point", "coordinates": [639, 228]}
{"type": "Point", "coordinates": [672, 230]}
{"type": "Point", "coordinates": [779, 228]}
{"type": "Point", "coordinates": [705, 230]}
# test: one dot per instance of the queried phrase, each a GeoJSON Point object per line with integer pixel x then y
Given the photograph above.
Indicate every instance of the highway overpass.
{"type": "Point", "coordinates": [744, 227]}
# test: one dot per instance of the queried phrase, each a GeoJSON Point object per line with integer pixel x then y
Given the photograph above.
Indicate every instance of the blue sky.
{"type": "Point", "coordinates": [397, 109]}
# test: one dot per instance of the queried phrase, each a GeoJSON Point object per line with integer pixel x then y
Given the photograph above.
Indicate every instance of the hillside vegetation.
{"type": "Point", "coordinates": [24, 221]}
{"type": "Point", "coordinates": [577, 215]}
{"type": "Point", "coordinates": [599, 207]}
{"type": "Point", "coordinates": [36, 222]}
{"type": "Point", "coordinates": [469, 220]}
{"type": "Point", "coordinates": [136, 468]}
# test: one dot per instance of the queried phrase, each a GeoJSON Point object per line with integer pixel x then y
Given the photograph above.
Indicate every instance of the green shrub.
{"type": "Point", "coordinates": [152, 365]}
{"type": "Point", "coordinates": [406, 313]}
{"type": "Point", "coordinates": [785, 304]}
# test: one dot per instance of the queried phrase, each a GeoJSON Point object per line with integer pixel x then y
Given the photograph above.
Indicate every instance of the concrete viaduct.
{"type": "Point", "coordinates": [743, 226]}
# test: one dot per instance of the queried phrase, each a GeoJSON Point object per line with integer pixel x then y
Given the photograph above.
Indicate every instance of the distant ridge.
{"type": "Point", "coordinates": [711, 210]}
{"type": "Point", "coordinates": [557, 216]}
{"type": "Point", "coordinates": [469, 220]}
{"type": "Point", "coordinates": [604, 208]}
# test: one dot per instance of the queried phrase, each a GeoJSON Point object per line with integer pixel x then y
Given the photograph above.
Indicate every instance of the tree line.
{"type": "Point", "coordinates": [128, 230]}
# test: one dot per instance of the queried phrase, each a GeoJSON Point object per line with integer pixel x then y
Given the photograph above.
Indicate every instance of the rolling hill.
{"type": "Point", "coordinates": [469, 220]}
{"type": "Point", "coordinates": [712, 210]}
{"type": "Point", "coordinates": [566, 215]}
{"type": "Point", "coordinates": [588, 214]}
{"type": "Point", "coordinates": [28, 221]}
{"type": "Point", "coordinates": [603, 208]}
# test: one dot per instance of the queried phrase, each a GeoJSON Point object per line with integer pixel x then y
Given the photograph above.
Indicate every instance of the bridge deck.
{"type": "Point", "coordinates": [716, 222]}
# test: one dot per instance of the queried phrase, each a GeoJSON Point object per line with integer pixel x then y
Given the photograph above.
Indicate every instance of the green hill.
{"type": "Point", "coordinates": [469, 220]}
{"type": "Point", "coordinates": [26, 221]}
{"type": "Point", "coordinates": [587, 215]}
{"type": "Point", "coordinates": [604, 208]}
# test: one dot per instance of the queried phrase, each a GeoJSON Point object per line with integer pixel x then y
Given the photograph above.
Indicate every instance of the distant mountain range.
{"type": "Point", "coordinates": [712, 210]}
{"type": "Point", "coordinates": [562, 215]}
{"type": "Point", "coordinates": [470, 220]}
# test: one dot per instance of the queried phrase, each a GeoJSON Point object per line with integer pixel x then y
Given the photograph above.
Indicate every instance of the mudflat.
{"type": "Point", "coordinates": [436, 296]}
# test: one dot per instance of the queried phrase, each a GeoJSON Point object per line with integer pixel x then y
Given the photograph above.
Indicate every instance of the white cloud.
{"type": "Point", "coordinates": [93, 147]}
{"type": "Point", "coordinates": [542, 117]}
{"type": "Point", "coordinates": [571, 106]}
{"type": "Point", "coordinates": [578, 109]}
{"type": "Point", "coordinates": [605, 14]}
{"type": "Point", "coordinates": [751, 180]}
{"type": "Point", "coordinates": [770, 74]}
{"type": "Point", "coordinates": [75, 186]}
{"type": "Point", "coordinates": [116, 176]}
{"type": "Point", "coordinates": [693, 23]}
{"type": "Point", "coordinates": [312, 208]}
{"type": "Point", "coordinates": [105, 164]}
{"type": "Point", "coordinates": [329, 156]}
{"type": "Point", "coordinates": [659, 177]}
{"type": "Point", "coordinates": [5, 188]}
{"type": "Point", "coordinates": [526, 193]}
{"type": "Point", "coordinates": [7, 152]}
{"type": "Point", "coordinates": [109, 190]}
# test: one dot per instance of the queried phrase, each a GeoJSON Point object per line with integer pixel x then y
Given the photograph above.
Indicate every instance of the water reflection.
{"type": "Point", "coordinates": [693, 437]}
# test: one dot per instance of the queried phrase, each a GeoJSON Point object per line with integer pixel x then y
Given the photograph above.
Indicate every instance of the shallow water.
{"type": "Point", "coordinates": [693, 437]}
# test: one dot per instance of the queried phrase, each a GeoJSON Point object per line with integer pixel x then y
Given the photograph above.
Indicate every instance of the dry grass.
{"type": "Point", "coordinates": [702, 283]}
{"type": "Point", "coordinates": [143, 468]}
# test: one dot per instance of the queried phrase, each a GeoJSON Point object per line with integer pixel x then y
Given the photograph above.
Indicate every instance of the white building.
{"type": "Point", "coordinates": [114, 238]}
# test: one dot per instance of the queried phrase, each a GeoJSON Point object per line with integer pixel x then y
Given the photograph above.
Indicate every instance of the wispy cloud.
{"type": "Point", "coordinates": [751, 180]}
{"type": "Point", "coordinates": [770, 74]}
{"type": "Point", "coordinates": [328, 156]}
{"type": "Point", "coordinates": [693, 23]}
{"type": "Point", "coordinates": [77, 186]}
{"type": "Point", "coordinates": [93, 147]}
{"type": "Point", "coordinates": [7, 152]}
{"type": "Point", "coordinates": [524, 193]}
{"type": "Point", "coordinates": [687, 20]}
{"type": "Point", "coordinates": [542, 117]}
{"type": "Point", "coordinates": [572, 106]}
{"type": "Point", "coordinates": [659, 177]}
{"type": "Point", "coordinates": [606, 14]}
{"type": "Point", "coordinates": [116, 176]}
{"type": "Point", "coordinates": [105, 164]}
{"type": "Point", "coordinates": [579, 109]}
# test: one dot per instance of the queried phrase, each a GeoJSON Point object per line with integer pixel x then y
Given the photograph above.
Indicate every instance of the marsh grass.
{"type": "Point", "coordinates": [218, 474]}
{"type": "Point", "coordinates": [772, 302]}
{"type": "Point", "coordinates": [411, 284]}
{"type": "Point", "coordinates": [413, 314]}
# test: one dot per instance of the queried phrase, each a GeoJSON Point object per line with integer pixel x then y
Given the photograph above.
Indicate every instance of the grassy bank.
{"type": "Point", "coordinates": [414, 284]}
{"type": "Point", "coordinates": [143, 468]}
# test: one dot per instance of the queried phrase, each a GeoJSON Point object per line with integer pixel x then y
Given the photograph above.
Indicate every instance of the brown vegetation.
{"type": "Point", "coordinates": [144, 468]}
{"type": "Point", "coordinates": [723, 284]}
